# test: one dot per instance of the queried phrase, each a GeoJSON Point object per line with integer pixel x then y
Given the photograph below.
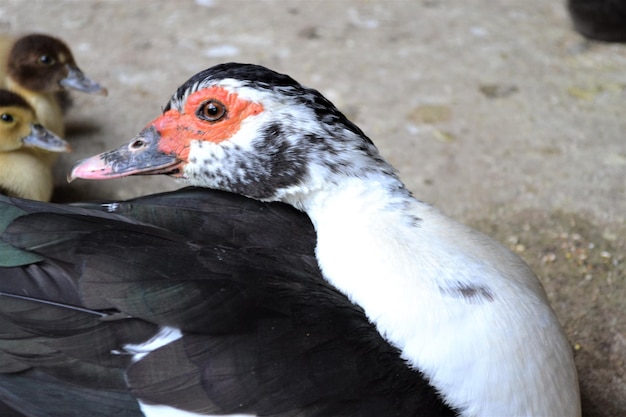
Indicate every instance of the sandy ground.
{"type": "Point", "coordinates": [496, 112]}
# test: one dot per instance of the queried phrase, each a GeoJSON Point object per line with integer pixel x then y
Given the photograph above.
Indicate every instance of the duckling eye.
{"type": "Point", "coordinates": [6, 117]}
{"type": "Point", "coordinates": [211, 110]}
{"type": "Point", "coordinates": [46, 59]}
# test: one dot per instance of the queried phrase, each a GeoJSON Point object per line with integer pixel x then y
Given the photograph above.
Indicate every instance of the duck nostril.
{"type": "Point", "coordinates": [137, 144]}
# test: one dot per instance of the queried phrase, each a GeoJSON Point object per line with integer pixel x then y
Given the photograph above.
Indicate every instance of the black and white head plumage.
{"type": "Point", "coordinates": [301, 138]}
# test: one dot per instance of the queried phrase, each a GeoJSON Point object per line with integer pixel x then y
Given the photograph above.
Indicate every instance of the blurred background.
{"type": "Point", "coordinates": [499, 113]}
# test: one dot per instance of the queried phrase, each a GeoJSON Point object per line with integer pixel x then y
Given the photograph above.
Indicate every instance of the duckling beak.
{"type": "Point", "coordinates": [42, 138]}
{"type": "Point", "coordinates": [141, 156]}
{"type": "Point", "coordinates": [77, 80]}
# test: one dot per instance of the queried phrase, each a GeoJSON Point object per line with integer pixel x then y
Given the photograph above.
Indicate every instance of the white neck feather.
{"type": "Point", "coordinates": [461, 308]}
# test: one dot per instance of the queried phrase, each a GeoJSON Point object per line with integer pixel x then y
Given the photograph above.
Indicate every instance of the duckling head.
{"type": "Point", "coordinates": [19, 127]}
{"type": "Point", "coordinates": [43, 63]}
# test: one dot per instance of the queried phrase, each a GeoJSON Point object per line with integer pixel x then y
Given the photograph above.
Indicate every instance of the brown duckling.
{"type": "Point", "coordinates": [25, 147]}
{"type": "Point", "coordinates": [41, 68]}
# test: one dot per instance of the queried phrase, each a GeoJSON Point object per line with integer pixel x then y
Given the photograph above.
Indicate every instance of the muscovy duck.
{"type": "Point", "coordinates": [461, 324]}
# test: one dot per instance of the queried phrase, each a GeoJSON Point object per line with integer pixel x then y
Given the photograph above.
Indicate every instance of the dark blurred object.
{"type": "Point", "coordinates": [603, 20]}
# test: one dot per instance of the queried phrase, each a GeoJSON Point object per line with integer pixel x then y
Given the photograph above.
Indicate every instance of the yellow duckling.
{"type": "Point", "coordinates": [40, 68]}
{"type": "Point", "coordinates": [24, 149]}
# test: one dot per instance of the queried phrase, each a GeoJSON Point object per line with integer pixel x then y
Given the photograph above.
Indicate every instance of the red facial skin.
{"type": "Point", "coordinates": [173, 132]}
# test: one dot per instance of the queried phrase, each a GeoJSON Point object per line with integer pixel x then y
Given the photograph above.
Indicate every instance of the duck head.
{"type": "Point", "coordinates": [245, 129]}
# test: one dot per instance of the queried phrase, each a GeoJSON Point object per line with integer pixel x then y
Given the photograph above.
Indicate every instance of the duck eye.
{"type": "Point", "coordinates": [46, 59]}
{"type": "Point", "coordinates": [211, 111]}
{"type": "Point", "coordinates": [6, 117]}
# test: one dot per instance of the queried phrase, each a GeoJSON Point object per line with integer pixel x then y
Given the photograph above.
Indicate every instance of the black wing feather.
{"type": "Point", "coordinates": [263, 332]}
